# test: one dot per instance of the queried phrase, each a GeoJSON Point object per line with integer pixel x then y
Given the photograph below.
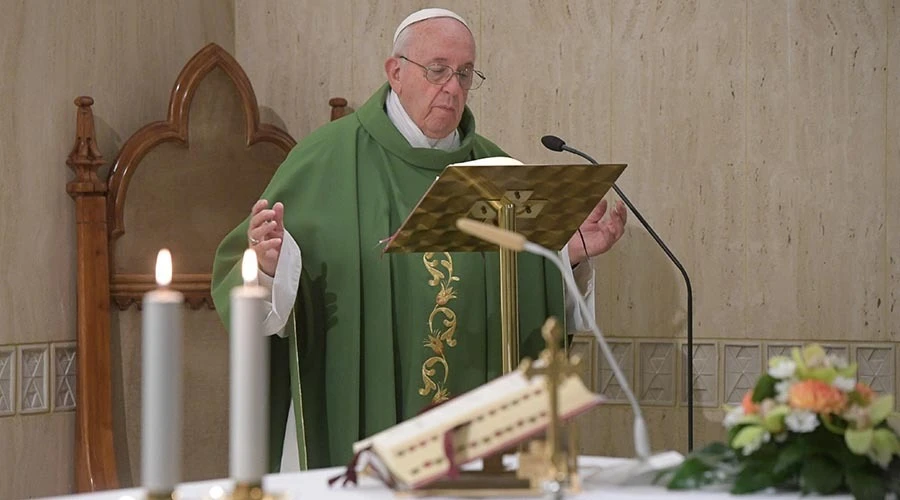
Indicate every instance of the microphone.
{"type": "Point", "coordinates": [554, 143]}
{"type": "Point", "coordinates": [517, 242]}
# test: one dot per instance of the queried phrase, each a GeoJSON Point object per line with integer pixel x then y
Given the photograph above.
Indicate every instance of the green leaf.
{"type": "Point", "coordinates": [774, 420]}
{"type": "Point", "coordinates": [765, 388]}
{"type": "Point", "coordinates": [754, 419]}
{"type": "Point", "coordinates": [859, 441]}
{"type": "Point", "coordinates": [753, 478]}
{"type": "Point", "coordinates": [865, 484]}
{"type": "Point", "coordinates": [748, 435]}
{"type": "Point", "coordinates": [884, 445]}
{"type": "Point", "coordinates": [833, 445]}
{"type": "Point", "coordinates": [893, 477]}
{"type": "Point", "coordinates": [830, 424]}
{"type": "Point", "coordinates": [826, 375]}
{"type": "Point", "coordinates": [789, 460]}
{"type": "Point", "coordinates": [820, 475]}
{"type": "Point", "coordinates": [881, 408]}
{"type": "Point", "coordinates": [694, 471]}
{"type": "Point", "coordinates": [798, 360]}
{"type": "Point", "coordinates": [689, 475]}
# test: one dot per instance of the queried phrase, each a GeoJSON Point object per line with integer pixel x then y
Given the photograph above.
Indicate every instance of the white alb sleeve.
{"type": "Point", "coordinates": [283, 287]}
{"type": "Point", "coordinates": [576, 321]}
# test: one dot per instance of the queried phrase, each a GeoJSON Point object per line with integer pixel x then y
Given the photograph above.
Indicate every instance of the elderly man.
{"type": "Point", "coordinates": [361, 340]}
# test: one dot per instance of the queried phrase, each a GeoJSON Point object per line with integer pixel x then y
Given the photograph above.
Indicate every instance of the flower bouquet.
{"type": "Point", "coordinates": [807, 425]}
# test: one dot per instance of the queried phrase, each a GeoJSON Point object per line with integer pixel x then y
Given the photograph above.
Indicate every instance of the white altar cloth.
{"type": "Point", "coordinates": [314, 485]}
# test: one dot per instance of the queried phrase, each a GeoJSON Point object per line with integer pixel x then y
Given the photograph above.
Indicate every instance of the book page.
{"type": "Point", "coordinates": [493, 160]}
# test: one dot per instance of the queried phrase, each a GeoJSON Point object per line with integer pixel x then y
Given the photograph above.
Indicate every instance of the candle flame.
{"type": "Point", "coordinates": [248, 267]}
{"type": "Point", "coordinates": [164, 267]}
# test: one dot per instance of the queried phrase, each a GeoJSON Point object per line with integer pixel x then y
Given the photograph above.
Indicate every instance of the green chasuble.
{"type": "Point", "coordinates": [376, 337]}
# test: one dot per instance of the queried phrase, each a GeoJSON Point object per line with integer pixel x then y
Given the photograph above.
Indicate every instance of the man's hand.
{"type": "Point", "coordinates": [600, 233]}
{"type": "Point", "coordinates": [266, 233]}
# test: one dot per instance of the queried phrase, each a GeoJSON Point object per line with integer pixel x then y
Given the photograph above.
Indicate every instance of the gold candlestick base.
{"type": "Point", "coordinates": [247, 491]}
{"type": "Point", "coordinates": [161, 496]}
{"type": "Point", "coordinates": [251, 491]}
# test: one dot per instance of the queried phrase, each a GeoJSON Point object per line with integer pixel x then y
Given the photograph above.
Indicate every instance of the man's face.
{"type": "Point", "coordinates": [436, 109]}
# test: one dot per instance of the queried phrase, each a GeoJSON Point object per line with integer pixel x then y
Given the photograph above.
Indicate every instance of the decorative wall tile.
{"type": "Point", "coordinates": [657, 373]}
{"type": "Point", "coordinates": [839, 350]}
{"type": "Point", "coordinates": [742, 367]}
{"type": "Point", "coordinates": [876, 367]}
{"type": "Point", "coordinates": [33, 379]}
{"type": "Point", "coordinates": [7, 381]}
{"type": "Point", "coordinates": [706, 374]}
{"type": "Point", "coordinates": [779, 349]}
{"type": "Point", "coordinates": [607, 385]}
{"type": "Point", "coordinates": [64, 369]}
{"type": "Point", "coordinates": [583, 347]}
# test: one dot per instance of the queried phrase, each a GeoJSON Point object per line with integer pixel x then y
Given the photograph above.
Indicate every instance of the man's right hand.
{"type": "Point", "coordinates": [266, 233]}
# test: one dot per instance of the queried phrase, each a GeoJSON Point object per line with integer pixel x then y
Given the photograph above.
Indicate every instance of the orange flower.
{"type": "Point", "coordinates": [749, 406]}
{"type": "Point", "coordinates": [817, 396]}
{"type": "Point", "coordinates": [866, 394]}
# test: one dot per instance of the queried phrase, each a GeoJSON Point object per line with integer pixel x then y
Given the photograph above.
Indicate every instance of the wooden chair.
{"type": "Point", "coordinates": [182, 183]}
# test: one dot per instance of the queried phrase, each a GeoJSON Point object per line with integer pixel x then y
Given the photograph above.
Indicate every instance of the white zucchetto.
{"type": "Point", "coordinates": [424, 14]}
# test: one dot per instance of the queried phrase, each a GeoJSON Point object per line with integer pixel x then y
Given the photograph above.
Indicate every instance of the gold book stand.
{"type": "Point", "coordinates": [546, 204]}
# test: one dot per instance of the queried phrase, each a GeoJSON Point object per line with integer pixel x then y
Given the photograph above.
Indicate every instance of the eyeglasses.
{"type": "Point", "coordinates": [439, 74]}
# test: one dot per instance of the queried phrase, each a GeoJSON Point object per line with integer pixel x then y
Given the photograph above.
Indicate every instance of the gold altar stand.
{"type": "Point", "coordinates": [545, 203]}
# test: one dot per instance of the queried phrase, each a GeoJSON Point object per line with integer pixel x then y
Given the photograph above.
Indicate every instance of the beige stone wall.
{"type": "Point", "coordinates": [762, 143]}
{"type": "Point", "coordinates": [126, 55]}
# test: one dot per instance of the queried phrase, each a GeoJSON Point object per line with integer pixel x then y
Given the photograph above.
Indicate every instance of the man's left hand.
{"type": "Point", "coordinates": [600, 233]}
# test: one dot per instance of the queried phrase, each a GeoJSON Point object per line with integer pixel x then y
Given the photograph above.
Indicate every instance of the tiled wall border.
{"type": "Point", "coordinates": [31, 380]}
{"type": "Point", "coordinates": [707, 374]}
{"type": "Point", "coordinates": [34, 378]}
{"type": "Point", "coordinates": [605, 381]}
{"type": "Point", "coordinates": [7, 380]}
{"type": "Point", "coordinates": [584, 348]}
{"type": "Point", "coordinates": [650, 366]}
{"type": "Point", "coordinates": [656, 370]}
{"type": "Point", "coordinates": [63, 376]}
{"type": "Point", "coordinates": [738, 363]}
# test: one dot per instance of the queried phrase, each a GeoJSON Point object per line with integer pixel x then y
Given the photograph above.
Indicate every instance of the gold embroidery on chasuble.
{"type": "Point", "coordinates": [441, 326]}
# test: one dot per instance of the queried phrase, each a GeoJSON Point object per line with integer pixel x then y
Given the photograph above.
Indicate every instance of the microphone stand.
{"type": "Point", "coordinates": [687, 283]}
{"type": "Point", "coordinates": [647, 465]}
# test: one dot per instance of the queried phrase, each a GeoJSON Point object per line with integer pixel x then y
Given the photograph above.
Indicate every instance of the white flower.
{"type": "Point", "coordinates": [732, 417]}
{"type": "Point", "coordinates": [782, 368]}
{"type": "Point", "coordinates": [782, 390]}
{"type": "Point", "coordinates": [837, 362]}
{"type": "Point", "coordinates": [845, 384]}
{"type": "Point", "coordinates": [801, 421]}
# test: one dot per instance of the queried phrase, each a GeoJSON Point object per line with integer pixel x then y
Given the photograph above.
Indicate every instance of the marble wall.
{"type": "Point", "coordinates": [126, 55]}
{"type": "Point", "coordinates": [762, 144]}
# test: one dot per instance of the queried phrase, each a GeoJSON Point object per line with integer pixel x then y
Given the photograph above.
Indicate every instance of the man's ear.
{"type": "Point", "coordinates": [392, 70]}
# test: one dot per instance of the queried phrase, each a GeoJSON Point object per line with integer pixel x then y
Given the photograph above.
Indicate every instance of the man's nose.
{"type": "Point", "coordinates": [453, 85]}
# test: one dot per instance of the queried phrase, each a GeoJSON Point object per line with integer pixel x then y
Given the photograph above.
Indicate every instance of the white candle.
{"type": "Point", "coordinates": [248, 445]}
{"type": "Point", "coordinates": [162, 389]}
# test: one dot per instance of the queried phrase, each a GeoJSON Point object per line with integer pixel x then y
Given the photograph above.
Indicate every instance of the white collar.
{"type": "Point", "coordinates": [413, 134]}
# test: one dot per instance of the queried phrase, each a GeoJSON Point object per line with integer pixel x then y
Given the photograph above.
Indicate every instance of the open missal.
{"type": "Point", "coordinates": [487, 420]}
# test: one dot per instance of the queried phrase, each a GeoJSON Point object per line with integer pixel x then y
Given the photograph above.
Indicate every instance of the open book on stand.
{"type": "Point", "coordinates": [489, 419]}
